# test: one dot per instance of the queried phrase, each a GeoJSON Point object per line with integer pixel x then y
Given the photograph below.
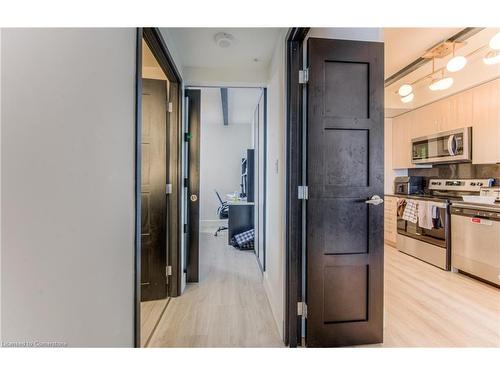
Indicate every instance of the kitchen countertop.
{"type": "Point", "coordinates": [495, 206]}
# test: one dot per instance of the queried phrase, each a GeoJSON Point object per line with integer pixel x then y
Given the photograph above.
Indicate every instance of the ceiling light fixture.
{"type": "Point", "coordinates": [492, 58]}
{"type": "Point", "coordinates": [456, 63]}
{"type": "Point", "coordinates": [224, 40]}
{"type": "Point", "coordinates": [495, 41]}
{"type": "Point", "coordinates": [405, 90]}
{"type": "Point", "coordinates": [408, 98]}
{"type": "Point", "coordinates": [440, 84]}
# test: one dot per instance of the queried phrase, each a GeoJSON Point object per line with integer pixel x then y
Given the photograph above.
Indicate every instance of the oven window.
{"type": "Point", "coordinates": [436, 235]}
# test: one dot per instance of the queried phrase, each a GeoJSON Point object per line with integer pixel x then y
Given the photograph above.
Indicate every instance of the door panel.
{"type": "Point", "coordinates": [345, 151]}
{"type": "Point", "coordinates": [193, 187]}
{"type": "Point", "coordinates": [153, 198]}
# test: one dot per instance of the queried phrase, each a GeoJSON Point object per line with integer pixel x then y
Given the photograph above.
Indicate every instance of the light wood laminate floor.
{"type": "Point", "coordinates": [151, 312]}
{"type": "Point", "coordinates": [227, 308]}
{"type": "Point", "coordinates": [425, 306]}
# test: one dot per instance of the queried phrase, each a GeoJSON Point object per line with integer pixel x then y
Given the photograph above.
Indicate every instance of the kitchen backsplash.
{"type": "Point", "coordinates": [465, 170]}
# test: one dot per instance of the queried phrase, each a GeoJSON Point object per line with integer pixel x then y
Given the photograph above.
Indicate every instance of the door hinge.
{"type": "Point", "coordinates": [303, 192]}
{"type": "Point", "coordinates": [185, 228]}
{"type": "Point", "coordinates": [304, 76]}
{"type": "Point", "coordinates": [187, 137]}
{"type": "Point", "coordinates": [186, 182]}
{"type": "Point", "coordinates": [168, 189]}
{"type": "Point", "coordinates": [168, 270]}
{"type": "Point", "coordinates": [302, 309]}
{"type": "Point", "coordinates": [170, 107]}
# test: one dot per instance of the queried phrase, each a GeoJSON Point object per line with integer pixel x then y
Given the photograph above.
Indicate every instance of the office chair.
{"type": "Point", "coordinates": [222, 212]}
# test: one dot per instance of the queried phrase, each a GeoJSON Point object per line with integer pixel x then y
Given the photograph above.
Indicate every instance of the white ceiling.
{"type": "Point", "coordinates": [196, 47]}
{"type": "Point", "coordinates": [404, 45]}
{"type": "Point", "coordinates": [241, 105]}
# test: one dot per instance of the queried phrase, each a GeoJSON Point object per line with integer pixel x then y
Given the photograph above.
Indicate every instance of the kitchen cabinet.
{"type": "Point", "coordinates": [478, 107]}
{"type": "Point", "coordinates": [402, 133]}
{"type": "Point", "coordinates": [486, 123]}
{"type": "Point", "coordinates": [426, 120]}
{"type": "Point", "coordinates": [390, 219]}
{"type": "Point", "coordinates": [449, 113]}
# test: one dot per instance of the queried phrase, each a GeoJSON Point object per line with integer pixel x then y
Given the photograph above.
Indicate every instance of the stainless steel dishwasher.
{"type": "Point", "coordinates": [475, 240]}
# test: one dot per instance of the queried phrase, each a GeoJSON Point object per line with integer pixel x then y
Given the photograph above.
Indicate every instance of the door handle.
{"type": "Point", "coordinates": [375, 200]}
{"type": "Point", "coordinates": [452, 145]}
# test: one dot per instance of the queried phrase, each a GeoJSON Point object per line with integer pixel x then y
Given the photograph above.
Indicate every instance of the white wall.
{"type": "Point", "coordinates": [67, 154]}
{"type": "Point", "coordinates": [221, 150]}
{"type": "Point", "coordinates": [274, 276]}
{"type": "Point", "coordinates": [224, 77]}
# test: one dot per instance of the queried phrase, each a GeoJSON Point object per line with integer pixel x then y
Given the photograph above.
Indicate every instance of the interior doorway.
{"type": "Point", "coordinates": [156, 182]}
{"type": "Point", "coordinates": [224, 213]}
{"type": "Point", "coordinates": [225, 166]}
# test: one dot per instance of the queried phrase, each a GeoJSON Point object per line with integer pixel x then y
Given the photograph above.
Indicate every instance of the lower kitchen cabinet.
{"type": "Point", "coordinates": [390, 220]}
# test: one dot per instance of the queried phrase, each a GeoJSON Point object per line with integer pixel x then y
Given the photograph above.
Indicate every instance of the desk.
{"type": "Point", "coordinates": [240, 219]}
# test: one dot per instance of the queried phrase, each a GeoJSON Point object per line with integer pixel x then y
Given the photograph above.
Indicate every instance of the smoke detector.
{"type": "Point", "coordinates": [224, 40]}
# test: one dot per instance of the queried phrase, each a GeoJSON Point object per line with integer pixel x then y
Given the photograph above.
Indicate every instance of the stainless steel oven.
{"type": "Point", "coordinates": [446, 147]}
{"type": "Point", "coordinates": [430, 245]}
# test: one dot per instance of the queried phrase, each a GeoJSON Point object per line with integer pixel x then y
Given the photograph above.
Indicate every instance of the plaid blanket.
{"type": "Point", "coordinates": [244, 240]}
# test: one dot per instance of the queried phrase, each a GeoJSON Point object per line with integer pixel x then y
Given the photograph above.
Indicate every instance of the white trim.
{"type": "Point", "coordinates": [278, 320]}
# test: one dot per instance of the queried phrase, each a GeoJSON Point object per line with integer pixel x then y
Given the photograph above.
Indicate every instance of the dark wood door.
{"type": "Point", "coordinates": [153, 190]}
{"type": "Point", "coordinates": [345, 157]}
{"type": "Point", "coordinates": [192, 138]}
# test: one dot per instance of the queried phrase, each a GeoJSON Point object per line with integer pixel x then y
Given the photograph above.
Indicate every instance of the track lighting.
{"type": "Point", "coordinates": [408, 98]}
{"type": "Point", "coordinates": [441, 83]}
{"type": "Point", "coordinates": [405, 90]}
{"type": "Point", "coordinates": [492, 58]}
{"type": "Point", "coordinates": [456, 63]}
{"type": "Point", "coordinates": [495, 41]}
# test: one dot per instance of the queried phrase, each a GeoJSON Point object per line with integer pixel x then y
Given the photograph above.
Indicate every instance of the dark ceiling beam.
{"type": "Point", "coordinates": [461, 36]}
{"type": "Point", "coordinates": [225, 109]}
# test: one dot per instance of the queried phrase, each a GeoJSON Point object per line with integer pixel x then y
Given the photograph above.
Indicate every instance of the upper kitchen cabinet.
{"type": "Point", "coordinates": [426, 120]}
{"type": "Point", "coordinates": [447, 114]}
{"type": "Point", "coordinates": [455, 111]}
{"type": "Point", "coordinates": [403, 128]}
{"type": "Point", "coordinates": [486, 123]}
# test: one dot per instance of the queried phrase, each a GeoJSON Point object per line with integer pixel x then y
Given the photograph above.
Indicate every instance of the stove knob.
{"type": "Point", "coordinates": [480, 183]}
{"type": "Point", "coordinates": [472, 184]}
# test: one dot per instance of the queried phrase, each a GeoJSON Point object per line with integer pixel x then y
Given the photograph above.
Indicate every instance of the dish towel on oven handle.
{"type": "Point", "coordinates": [424, 213]}
{"type": "Point", "coordinates": [410, 212]}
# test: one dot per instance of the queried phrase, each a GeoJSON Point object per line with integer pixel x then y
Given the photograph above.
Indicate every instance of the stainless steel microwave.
{"type": "Point", "coordinates": [454, 146]}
